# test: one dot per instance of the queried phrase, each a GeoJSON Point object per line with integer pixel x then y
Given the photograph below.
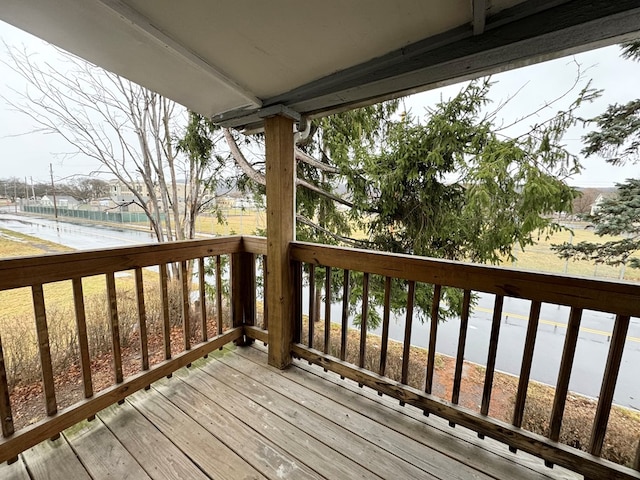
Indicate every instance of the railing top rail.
{"type": "Point", "coordinates": [254, 244]}
{"type": "Point", "coordinates": [25, 271]}
{"type": "Point", "coordinates": [602, 295]}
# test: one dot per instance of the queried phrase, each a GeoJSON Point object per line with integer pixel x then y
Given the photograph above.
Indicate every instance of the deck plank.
{"type": "Point", "coordinates": [15, 471]}
{"type": "Point", "coordinates": [272, 461]}
{"type": "Point", "coordinates": [369, 455]}
{"type": "Point", "coordinates": [101, 452]}
{"type": "Point", "coordinates": [487, 455]}
{"type": "Point", "coordinates": [299, 444]}
{"type": "Point", "coordinates": [52, 460]}
{"type": "Point", "coordinates": [349, 418]}
{"type": "Point", "coordinates": [160, 458]}
{"type": "Point", "coordinates": [212, 456]}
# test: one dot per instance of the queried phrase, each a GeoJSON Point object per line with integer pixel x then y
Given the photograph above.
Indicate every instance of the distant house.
{"type": "Point", "coordinates": [595, 206]}
{"type": "Point", "coordinates": [62, 201]}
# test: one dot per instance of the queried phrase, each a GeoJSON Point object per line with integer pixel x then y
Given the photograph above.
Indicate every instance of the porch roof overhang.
{"type": "Point", "coordinates": [238, 62]}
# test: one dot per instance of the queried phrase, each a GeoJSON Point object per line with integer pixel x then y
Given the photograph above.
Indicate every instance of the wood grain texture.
{"type": "Point", "coordinates": [112, 310]}
{"type": "Point", "coordinates": [298, 443]}
{"type": "Point", "coordinates": [527, 360]}
{"type": "Point", "coordinates": [462, 341]}
{"type": "Point", "coordinates": [202, 297]}
{"type": "Point", "coordinates": [185, 290]}
{"type": "Point", "coordinates": [564, 374]}
{"type": "Point", "coordinates": [354, 419]}
{"type": "Point", "coordinates": [280, 177]}
{"type": "Point", "coordinates": [103, 455]}
{"type": "Point", "coordinates": [386, 313]}
{"type": "Point", "coordinates": [406, 346]}
{"type": "Point", "coordinates": [54, 460]}
{"type": "Point", "coordinates": [164, 301]}
{"type": "Point", "coordinates": [212, 456]}
{"type": "Point", "coordinates": [256, 333]}
{"type": "Point", "coordinates": [346, 293]}
{"type": "Point", "coordinates": [222, 417]}
{"type": "Point", "coordinates": [557, 453]}
{"type": "Point", "coordinates": [21, 272]}
{"type": "Point", "coordinates": [6, 417]}
{"type": "Point", "coordinates": [364, 317]}
{"type": "Point", "coordinates": [357, 447]}
{"type": "Point", "coordinates": [83, 343]}
{"type": "Point", "coordinates": [14, 471]}
{"type": "Point", "coordinates": [327, 310]}
{"type": "Point", "coordinates": [142, 320]}
{"type": "Point", "coordinates": [611, 370]}
{"type": "Point", "coordinates": [312, 303]}
{"type": "Point", "coordinates": [461, 445]}
{"type": "Point", "coordinates": [433, 333]}
{"type": "Point", "coordinates": [265, 294]}
{"type": "Point", "coordinates": [219, 293]}
{"type": "Point", "coordinates": [44, 350]}
{"type": "Point", "coordinates": [296, 278]}
{"type": "Point", "coordinates": [601, 295]}
{"type": "Point", "coordinates": [155, 452]}
{"type": "Point", "coordinates": [491, 356]}
{"type": "Point", "coordinates": [49, 427]}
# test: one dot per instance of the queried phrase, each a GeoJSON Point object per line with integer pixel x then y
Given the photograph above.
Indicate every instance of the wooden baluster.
{"type": "Point", "coordinates": [385, 327]}
{"type": "Point", "coordinates": [431, 355]}
{"type": "Point", "coordinates": [562, 386]}
{"type": "Point", "coordinates": [618, 338]}
{"type": "Point", "coordinates": [636, 463]}
{"type": "Point", "coordinates": [166, 325]}
{"type": "Point", "coordinates": [6, 417]}
{"type": "Point", "coordinates": [433, 332]}
{"type": "Point", "coordinates": [83, 343]}
{"type": "Point", "coordinates": [312, 303]}
{"type": "Point", "coordinates": [44, 349]}
{"type": "Point", "coordinates": [407, 334]}
{"type": "Point", "coordinates": [346, 292]}
{"type": "Point", "coordinates": [327, 310]}
{"type": "Point", "coordinates": [491, 357]}
{"type": "Point", "coordinates": [297, 302]}
{"type": "Point", "coordinates": [364, 319]}
{"type": "Point", "coordinates": [203, 300]}
{"type": "Point", "coordinates": [219, 292]}
{"type": "Point", "coordinates": [525, 369]}
{"type": "Point", "coordinates": [462, 341]}
{"type": "Point", "coordinates": [243, 293]}
{"type": "Point", "coordinates": [186, 321]}
{"type": "Point", "coordinates": [112, 308]}
{"type": "Point", "coordinates": [265, 304]}
{"type": "Point", "coordinates": [142, 322]}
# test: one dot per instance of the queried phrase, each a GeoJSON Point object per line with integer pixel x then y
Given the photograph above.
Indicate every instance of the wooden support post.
{"type": "Point", "coordinates": [280, 177]}
{"type": "Point", "coordinates": [243, 293]}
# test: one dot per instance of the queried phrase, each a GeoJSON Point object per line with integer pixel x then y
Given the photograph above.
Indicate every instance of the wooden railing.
{"type": "Point", "coordinates": [157, 260]}
{"type": "Point", "coordinates": [621, 299]}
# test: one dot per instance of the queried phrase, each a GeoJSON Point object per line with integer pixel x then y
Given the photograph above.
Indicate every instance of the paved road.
{"type": "Point", "coordinates": [590, 355]}
{"type": "Point", "coordinates": [79, 236]}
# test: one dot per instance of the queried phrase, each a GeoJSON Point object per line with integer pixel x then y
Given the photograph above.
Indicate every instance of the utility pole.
{"type": "Point", "coordinates": [53, 187]}
{"type": "Point", "coordinates": [33, 190]}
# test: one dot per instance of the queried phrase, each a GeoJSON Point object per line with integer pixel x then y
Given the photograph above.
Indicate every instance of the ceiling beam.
{"type": "Point", "coordinates": [479, 16]}
{"type": "Point", "coordinates": [144, 25]}
{"type": "Point", "coordinates": [513, 38]}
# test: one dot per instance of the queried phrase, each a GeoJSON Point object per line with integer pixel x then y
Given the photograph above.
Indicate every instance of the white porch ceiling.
{"type": "Point", "coordinates": [237, 61]}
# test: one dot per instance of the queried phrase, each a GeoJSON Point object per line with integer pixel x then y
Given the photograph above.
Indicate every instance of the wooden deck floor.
{"type": "Point", "coordinates": [234, 417]}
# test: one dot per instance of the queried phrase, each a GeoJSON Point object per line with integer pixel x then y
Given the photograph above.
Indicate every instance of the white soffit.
{"type": "Point", "coordinates": [227, 59]}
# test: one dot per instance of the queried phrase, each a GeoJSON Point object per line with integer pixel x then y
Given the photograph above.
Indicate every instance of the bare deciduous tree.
{"type": "Point", "coordinates": [128, 129]}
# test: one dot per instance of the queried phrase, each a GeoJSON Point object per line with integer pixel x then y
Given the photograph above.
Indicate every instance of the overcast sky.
{"type": "Point", "coordinates": [26, 154]}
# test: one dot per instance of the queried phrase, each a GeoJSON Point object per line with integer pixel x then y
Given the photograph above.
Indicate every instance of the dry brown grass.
{"type": "Point", "coordinates": [623, 431]}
